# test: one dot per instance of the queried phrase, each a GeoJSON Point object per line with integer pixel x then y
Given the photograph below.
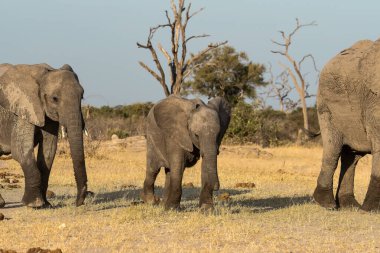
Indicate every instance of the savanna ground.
{"type": "Point", "coordinates": [277, 215]}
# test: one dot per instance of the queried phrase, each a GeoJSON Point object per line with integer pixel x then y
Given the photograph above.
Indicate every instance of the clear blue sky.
{"type": "Point", "coordinates": [98, 37]}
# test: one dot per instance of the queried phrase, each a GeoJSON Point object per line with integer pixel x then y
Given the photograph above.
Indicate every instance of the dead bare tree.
{"type": "Point", "coordinates": [295, 73]}
{"type": "Point", "coordinates": [280, 89]}
{"type": "Point", "coordinates": [177, 59]}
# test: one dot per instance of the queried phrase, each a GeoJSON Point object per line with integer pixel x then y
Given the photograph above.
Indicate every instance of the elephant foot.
{"type": "Point", "coordinates": [372, 199]}
{"type": "Point", "coordinates": [207, 208]}
{"type": "Point", "coordinates": [37, 203]}
{"type": "Point", "coordinates": [324, 197]}
{"type": "Point", "coordinates": [149, 198]}
{"type": "Point", "coordinates": [82, 194]}
{"type": "Point", "coordinates": [33, 198]}
{"type": "Point", "coordinates": [2, 202]}
{"type": "Point", "coordinates": [347, 201]}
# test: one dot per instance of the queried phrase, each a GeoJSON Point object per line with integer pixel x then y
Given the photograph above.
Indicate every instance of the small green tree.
{"type": "Point", "coordinates": [227, 73]}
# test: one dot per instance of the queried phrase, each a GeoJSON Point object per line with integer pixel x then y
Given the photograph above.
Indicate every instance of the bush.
{"type": "Point", "coordinates": [124, 121]}
{"type": "Point", "coordinates": [266, 127]}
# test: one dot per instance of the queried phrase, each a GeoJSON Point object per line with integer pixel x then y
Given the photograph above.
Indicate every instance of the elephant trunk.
{"type": "Point", "coordinates": [75, 136]}
{"type": "Point", "coordinates": [209, 164]}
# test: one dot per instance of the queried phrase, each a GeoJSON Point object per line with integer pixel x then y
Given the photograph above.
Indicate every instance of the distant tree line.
{"type": "Point", "coordinates": [122, 120]}
{"type": "Point", "coordinates": [249, 124]}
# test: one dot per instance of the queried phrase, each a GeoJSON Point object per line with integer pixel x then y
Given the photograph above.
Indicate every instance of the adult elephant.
{"type": "Point", "coordinates": [348, 105]}
{"type": "Point", "coordinates": [34, 100]}
{"type": "Point", "coordinates": [179, 131]}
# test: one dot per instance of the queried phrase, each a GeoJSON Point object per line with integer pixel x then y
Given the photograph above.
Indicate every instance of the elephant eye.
{"type": "Point", "coordinates": [55, 99]}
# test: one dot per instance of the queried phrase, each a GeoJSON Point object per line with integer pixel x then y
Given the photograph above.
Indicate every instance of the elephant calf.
{"type": "Point", "coordinates": [179, 131]}
{"type": "Point", "coordinates": [348, 104]}
{"type": "Point", "coordinates": [34, 101]}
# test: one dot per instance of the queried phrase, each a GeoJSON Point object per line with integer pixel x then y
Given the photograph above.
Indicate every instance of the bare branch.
{"type": "Point", "coordinates": [154, 74]}
{"type": "Point", "coordinates": [197, 37]}
{"type": "Point", "coordinates": [312, 59]}
{"type": "Point", "coordinates": [165, 53]}
{"type": "Point", "coordinates": [277, 52]}
{"type": "Point", "coordinates": [168, 18]}
{"type": "Point", "coordinates": [142, 46]}
{"type": "Point", "coordinates": [278, 43]}
{"type": "Point", "coordinates": [196, 12]}
{"type": "Point", "coordinates": [299, 26]}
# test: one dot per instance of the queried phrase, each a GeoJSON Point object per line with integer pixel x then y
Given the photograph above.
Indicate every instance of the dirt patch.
{"type": "Point", "coordinates": [128, 186]}
{"type": "Point", "coordinates": [247, 151]}
{"type": "Point", "coordinates": [10, 180]}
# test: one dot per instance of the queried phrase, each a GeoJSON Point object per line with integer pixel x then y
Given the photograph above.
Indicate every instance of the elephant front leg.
{"type": "Point", "coordinates": [23, 151]}
{"type": "Point", "coordinates": [147, 194]}
{"type": "Point", "coordinates": [2, 202]}
{"type": "Point", "coordinates": [206, 196]}
{"type": "Point", "coordinates": [372, 198]}
{"type": "Point", "coordinates": [46, 153]}
{"type": "Point", "coordinates": [175, 186]}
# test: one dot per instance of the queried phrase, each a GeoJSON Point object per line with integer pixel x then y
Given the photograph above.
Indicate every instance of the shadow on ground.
{"type": "Point", "coordinates": [131, 196]}
{"type": "Point", "coordinates": [273, 203]}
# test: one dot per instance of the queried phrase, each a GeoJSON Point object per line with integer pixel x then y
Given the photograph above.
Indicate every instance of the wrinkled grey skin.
{"type": "Point", "coordinates": [34, 100]}
{"type": "Point", "coordinates": [348, 105]}
{"type": "Point", "coordinates": [178, 132]}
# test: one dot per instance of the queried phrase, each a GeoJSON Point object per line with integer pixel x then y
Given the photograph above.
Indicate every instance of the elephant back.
{"type": "Point", "coordinates": [369, 67]}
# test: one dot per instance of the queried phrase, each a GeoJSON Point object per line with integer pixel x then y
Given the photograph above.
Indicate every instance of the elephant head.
{"type": "Point", "coordinates": [192, 123]}
{"type": "Point", "coordinates": [38, 92]}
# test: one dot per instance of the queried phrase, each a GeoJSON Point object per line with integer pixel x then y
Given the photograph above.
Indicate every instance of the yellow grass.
{"type": "Point", "coordinates": [275, 216]}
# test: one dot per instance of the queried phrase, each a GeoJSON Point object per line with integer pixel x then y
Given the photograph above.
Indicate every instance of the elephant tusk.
{"type": "Point", "coordinates": [85, 132]}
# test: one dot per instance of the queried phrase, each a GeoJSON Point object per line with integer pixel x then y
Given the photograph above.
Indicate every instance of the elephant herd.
{"type": "Point", "coordinates": [36, 99]}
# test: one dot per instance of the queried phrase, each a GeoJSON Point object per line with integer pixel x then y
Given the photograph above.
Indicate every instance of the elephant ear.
{"type": "Point", "coordinates": [171, 116]}
{"type": "Point", "coordinates": [67, 67]}
{"type": "Point", "coordinates": [19, 93]}
{"type": "Point", "coordinates": [224, 111]}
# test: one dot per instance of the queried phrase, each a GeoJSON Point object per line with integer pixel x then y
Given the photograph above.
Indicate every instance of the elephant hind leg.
{"type": "Point", "coordinates": [332, 147]}
{"type": "Point", "coordinates": [345, 197]}
{"type": "Point", "coordinates": [372, 198]}
{"type": "Point", "coordinates": [2, 202]}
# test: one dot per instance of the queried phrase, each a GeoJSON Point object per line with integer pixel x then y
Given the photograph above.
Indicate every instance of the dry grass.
{"type": "Point", "coordinates": [275, 216]}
